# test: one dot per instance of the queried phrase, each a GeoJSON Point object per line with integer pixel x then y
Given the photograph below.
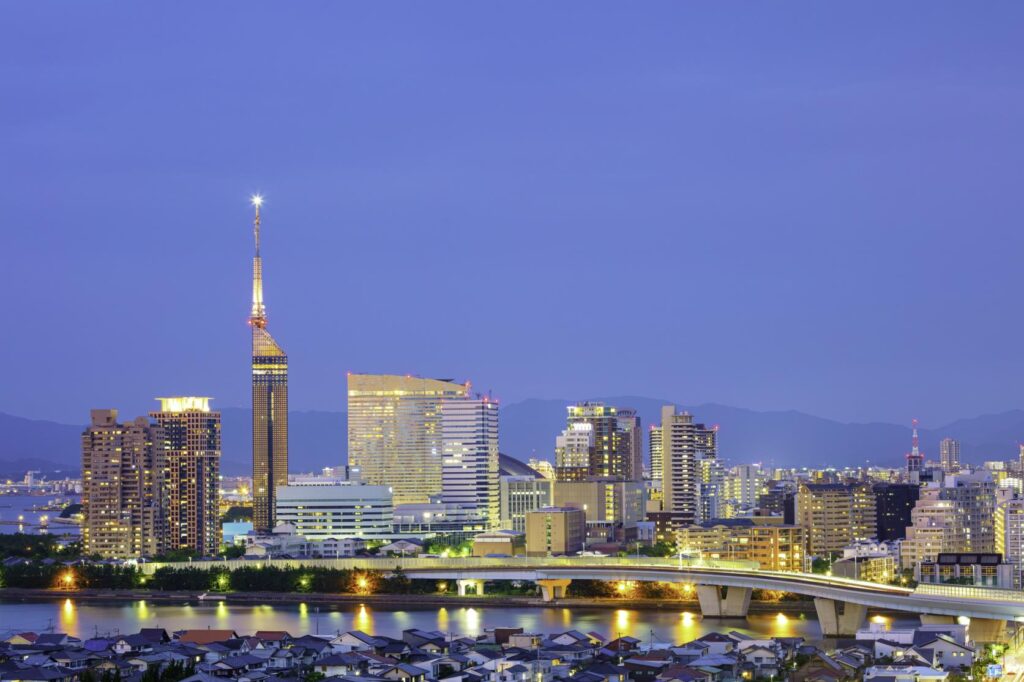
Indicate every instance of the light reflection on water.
{"type": "Point", "coordinates": [85, 618]}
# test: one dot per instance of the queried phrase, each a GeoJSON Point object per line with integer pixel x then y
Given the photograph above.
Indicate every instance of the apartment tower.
{"type": "Point", "coordinates": [684, 444]}
{"type": "Point", "coordinates": [124, 492]}
{"type": "Point", "coordinates": [469, 471]}
{"type": "Point", "coordinates": [269, 401]}
{"type": "Point", "coordinates": [192, 435]}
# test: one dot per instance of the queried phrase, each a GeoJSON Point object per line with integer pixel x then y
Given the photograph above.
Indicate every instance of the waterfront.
{"type": "Point", "coordinates": [84, 618]}
{"type": "Point", "coordinates": [17, 515]}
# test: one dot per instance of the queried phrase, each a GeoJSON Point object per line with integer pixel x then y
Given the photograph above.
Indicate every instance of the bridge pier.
{"type": "Point", "coordinates": [477, 585]}
{"type": "Point", "coordinates": [931, 619]}
{"type": "Point", "coordinates": [734, 604]}
{"type": "Point", "coordinates": [838, 618]}
{"type": "Point", "coordinates": [552, 589]}
{"type": "Point", "coordinates": [986, 631]}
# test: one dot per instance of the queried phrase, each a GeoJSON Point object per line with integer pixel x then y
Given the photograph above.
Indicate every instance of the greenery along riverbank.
{"type": "Point", "coordinates": [308, 580]}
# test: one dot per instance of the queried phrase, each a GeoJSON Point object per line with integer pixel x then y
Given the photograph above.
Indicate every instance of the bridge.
{"type": "Point", "coordinates": [723, 587]}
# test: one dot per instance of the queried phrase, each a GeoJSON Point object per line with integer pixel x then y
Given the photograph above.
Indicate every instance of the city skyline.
{"type": "Point", "coordinates": [853, 211]}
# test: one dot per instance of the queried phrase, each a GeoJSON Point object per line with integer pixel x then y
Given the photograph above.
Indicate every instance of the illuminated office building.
{"type": "Point", "coordinates": [192, 435]}
{"type": "Point", "coordinates": [835, 515]}
{"type": "Point", "coordinates": [469, 471]}
{"type": "Point", "coordinates": [395, 435]}
{"type": "Point", "coordinates": [123, 487]}
{"type": "Point", "coordinates": [269, 401]}
{"type": "Point", "coordinates": [655, 450]}
{"type": "Point", "coordinates": [574, 448]}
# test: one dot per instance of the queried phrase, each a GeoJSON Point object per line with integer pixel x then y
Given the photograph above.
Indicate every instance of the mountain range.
{"type": "Point", "coordinates": [528, 429]}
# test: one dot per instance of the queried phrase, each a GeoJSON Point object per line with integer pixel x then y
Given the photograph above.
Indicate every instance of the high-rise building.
{"type": "Point", "coordinates": [1009, 526]}
{"type": "Point", "coordinates": [684, 443]}
{"type": "Point", "coordinates": [269, 401]}
{"type": "Point", "coordinates": [574, 449]}
{"type": "Point", "coordinates": [975, 494]}
{"type": "Point", "coordinates": [835, 515]}
{"type": "Point", "coordinates": [949, 455]}
{"type": "Point", "coordinates": [124, 492]}
{"type": "Point", "coordinates": [774, 546]}
{"type": "Point", "coordinates": [618, 441]}
{"type": "Point", "coordinates": [469, 472]}
{"type": "Point", "coordinates": [655, 451]}
{"type": "Point", "coordinates": [893, 505]}
{"type": "Point", "coordinates": [192, 433]}
{"type": "Point", "coordinates": [395, 435]}
{"type": "Point", "coordinates": [937, 526]}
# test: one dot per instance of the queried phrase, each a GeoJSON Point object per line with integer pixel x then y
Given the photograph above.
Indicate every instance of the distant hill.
{"type": "Point", "coordinates": [784, 438]}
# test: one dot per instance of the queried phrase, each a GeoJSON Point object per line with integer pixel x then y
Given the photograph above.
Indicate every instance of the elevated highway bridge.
{"type": "Point", "coordinates": [723, 587]}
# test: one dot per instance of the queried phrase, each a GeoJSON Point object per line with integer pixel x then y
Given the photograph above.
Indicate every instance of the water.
{"type": "Point", "coordinates": [13, 506]}
{"type": "Point", "coordinates": [87, 618]}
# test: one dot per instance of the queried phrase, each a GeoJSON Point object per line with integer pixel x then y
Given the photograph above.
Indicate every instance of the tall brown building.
{"type": "Point", "coordinates": [269, 401]}
{"type": "Point", "coordinates": [192, 434]}
{"type": "Point", "coordinates": [124, 493]}
{"type": "Point", "coordinates": [835, 515]}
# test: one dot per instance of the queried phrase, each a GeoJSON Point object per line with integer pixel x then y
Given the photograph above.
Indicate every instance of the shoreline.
{"type": "Point", "coordinates": [405, 601]}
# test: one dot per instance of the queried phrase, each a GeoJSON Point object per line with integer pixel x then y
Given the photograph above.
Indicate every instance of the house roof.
{"type": "Point", "coordinates": [206, 636]}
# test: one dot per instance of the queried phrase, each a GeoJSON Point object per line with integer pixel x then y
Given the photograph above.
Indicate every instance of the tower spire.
{"type": "Point", "coordinates": [258, 316]}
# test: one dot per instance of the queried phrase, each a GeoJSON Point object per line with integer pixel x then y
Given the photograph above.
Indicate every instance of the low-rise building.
{"type": "Point", "coordinates": [555, 531]}
{"type": "Point", "coordinates": [347, 510]}
{"type": "Point", "coordinates": [499, 543]}
{"type": "Point", "coordinates": [985, 570]}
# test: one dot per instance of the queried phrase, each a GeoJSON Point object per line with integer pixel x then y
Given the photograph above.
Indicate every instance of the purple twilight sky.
{"type": "Point", "coordinates": [813, 206]}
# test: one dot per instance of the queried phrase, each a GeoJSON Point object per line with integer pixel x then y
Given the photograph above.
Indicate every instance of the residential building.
{"type": "Point", "coordinates": [574, 449]}
{"type": "Point", "coordinates": [618, 441]}
{"type": "Point", "coordinates": [1009, 530]}
{"type": "Point", "coordinates": [124, 489]}
{"type": "Point", "coordinates": [554, 531]}
{"type": "Point", "coordinates": [350, 510]}
{"type": "Point", "coordinates": [613, 507]}
{"type": "Point", "coordinates": [395, 435]}
{"type": "Point", "coordinates": [893, 505]}
{"type": "Point", "coordinates": [684, 442]}
{"type": "Point", "coordinates": [192, 435]}
{"type": "Point", "coordinates": [937, 526]}
{"type": "Point", "coordinates": [774, 546]}
{"type": "Point", "coordinates": [655, 450]}
{"type": "Point", "coordinates": [269, 400]}
{"type": "Point", "coordinates": [835, 515]}
{"type": "Point", "coordinates": [975, 494]}
{"type": "Point", "coordinates": [949, 455]}
{"type": "Point", "coordinates": [470, 468]}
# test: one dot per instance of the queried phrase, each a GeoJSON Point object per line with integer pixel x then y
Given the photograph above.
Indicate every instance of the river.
{"type": "Point", "coordinates": [87, 618]}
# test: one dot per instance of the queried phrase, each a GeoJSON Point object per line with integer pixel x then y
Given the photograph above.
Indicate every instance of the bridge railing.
{"type": "Point", "coordinates": [970, 592]}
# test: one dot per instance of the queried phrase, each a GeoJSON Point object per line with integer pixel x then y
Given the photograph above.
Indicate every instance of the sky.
{"type": "Point", "coordinates": [809, 206]}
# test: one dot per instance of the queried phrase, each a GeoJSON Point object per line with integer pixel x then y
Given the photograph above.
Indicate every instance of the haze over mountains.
{"type": "Point", "coordinates": [528, 429]}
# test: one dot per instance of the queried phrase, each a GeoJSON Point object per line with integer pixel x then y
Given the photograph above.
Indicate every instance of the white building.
{"type": "Point", "coordinates": [469, 471]}
{"type": "Point", "coordinates": [319, 512]}
{"type": "Point", "coordinates": [522, 494]}
{"type": "Point", "coordinates": [573, 448]}
{"type": "Point", "coordinates": [1010, 535]}
{"type": "Point", "coordinates": [937, 526]}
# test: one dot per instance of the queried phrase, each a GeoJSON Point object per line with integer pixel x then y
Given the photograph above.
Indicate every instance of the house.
{"type": "Point", "coordinates": [948, 653]}
{"type": "Point", "coordinates": [905, 673]}
{"type": "Point", "coordinates": [717, 643]}
{"type": "Point", "coordinates": [205, 636]}
{"type": "Point", "coordinates": [821, 668]}
{"type": "Point", "coordinates": [402, 547]}
{"type": "Point", "coordinates": [405, 672]}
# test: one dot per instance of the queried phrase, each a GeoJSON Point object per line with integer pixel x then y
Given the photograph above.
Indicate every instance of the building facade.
{"type": "Point", "coordinates": [1009, 529]}
{"type": "Point", "coordinates": [893, 504]}
{"type": "Point", "coordinates": [319, 512]}
{"type": "Point", "coordinates": [613, 507]}
{"type": "Point", "coordinates": [520, 495]}
{"type": "Point", "coordinates": [469, 471]}
{"type": "Point", "coordinates": [835, 515]}
{"type": "Point", "coordinates": [618, 441]}
{"type": "Point", "coordinates": [774, 546]}
{"type": "Point", "coordinates": [975, 494]}
{"type": "Point", "coordinates": [269, 401]}
{"type": "Point", "coordinates": [937, 526]}
{"type": "Point", "coordinates": [574, 449]}
{"type": "Point", "coordinates": [124, 490]}
{"type": "Point", "coordinates": [555, 531]}
{"type": "Point", "coordinates": [684, 443]}
{"type": "Point", "coordinates": [949, 455]}
{"type": "Point", "coordinates": [192, 433]}
{"type": "Point", "coordinates": [395, 435]}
